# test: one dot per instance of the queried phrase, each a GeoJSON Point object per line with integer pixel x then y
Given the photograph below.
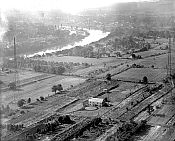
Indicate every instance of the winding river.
{"type": "Point", "coordinates": [94, 35]}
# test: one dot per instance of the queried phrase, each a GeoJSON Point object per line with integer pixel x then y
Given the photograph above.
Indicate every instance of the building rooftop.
{"type": "Point", "coordinates": [100, 100]}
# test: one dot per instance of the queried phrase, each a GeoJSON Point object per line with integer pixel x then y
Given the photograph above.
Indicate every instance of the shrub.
{"type": "Point", "coordinates": [21, 102]}
{"type": "Point", "coordinates": [41, 98]}
{"type": "Point", "coordinates": [29, 100]}
{"type": "Point", "coordinates": [108, 76]}
{"type": "Point", "coordinates": [145, 80]}
{"type": "Point", "coordinates": [37, 99]}
{"type": "Point", "coordinates": [22, 112]}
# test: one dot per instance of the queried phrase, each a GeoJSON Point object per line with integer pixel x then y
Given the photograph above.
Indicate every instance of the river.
{"type": "Point", "coordinates": [94, 35]}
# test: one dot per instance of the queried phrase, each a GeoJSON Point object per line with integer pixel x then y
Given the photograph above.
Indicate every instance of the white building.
{"type": "Point", "coordinates": [96, 102]}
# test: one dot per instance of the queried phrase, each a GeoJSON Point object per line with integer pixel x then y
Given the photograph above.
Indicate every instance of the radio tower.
{"type": "Point", "coordinates": [171, 98]}
{"type": "Point", "coordinates": [169, 58]}
{"type": "Point", "coordinates": [15, 64]}
{"type": "Point", "coordinates": [16, 77]}
{"type": "Point", "coordinates": [169, 71]}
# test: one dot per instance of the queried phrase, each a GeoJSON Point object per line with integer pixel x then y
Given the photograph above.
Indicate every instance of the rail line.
{"type": "Point", "coordinates": [124, 114]}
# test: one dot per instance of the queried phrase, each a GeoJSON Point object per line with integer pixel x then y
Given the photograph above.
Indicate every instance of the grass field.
{"type": "Point", "coordinates": [148, 53]}
{"type": "Point", "coordinates": [99, 68]}
{"type": "Point", "coordinates": [74, 59]}
{"type": "Point", "coordinates": [136, 74]}
{"type": "Point", "coordinates": [40, 88]}
{"type": "Point", "coordinates": [21, 76]}
{"type": "Point", "coordinates": [160, 61]}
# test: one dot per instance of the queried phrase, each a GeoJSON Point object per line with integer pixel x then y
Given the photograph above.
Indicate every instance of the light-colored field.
{"type": "Point", "coordinates": [99, 69]}
{"type": "Point", "coordinates": [74, 59]}
{"type": "Point", "coordinates": [40, 88]}
{"type": "Point", "coordinates": [21, 76]}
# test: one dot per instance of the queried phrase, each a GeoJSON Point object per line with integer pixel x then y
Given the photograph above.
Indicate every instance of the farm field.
{"type": "Point", "coordinates": [75, 59]}
{"type": "Point", "coordinates": [148, 53]}
{"type": "Point", "coordinates": [40, 88]}
{"type": "Point", "coordinates": [151, 52]}
{"type": "Point", "coordinates": [100, 69]}
{"type": "Point", "coordinates": [22, 76]}
{"type": "Point", "coordinates": [137, 74]}
{"type": "Point", "coordinates": [160, 61]}
{"type": "Point", "coordinates": [114, 71]}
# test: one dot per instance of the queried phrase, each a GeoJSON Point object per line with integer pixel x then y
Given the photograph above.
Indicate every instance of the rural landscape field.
{"type": "Point", "coordinates": [106, 73]}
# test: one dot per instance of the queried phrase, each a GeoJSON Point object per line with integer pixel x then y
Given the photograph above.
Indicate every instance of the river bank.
{"type": "Point", "coordinates": [94, 35]}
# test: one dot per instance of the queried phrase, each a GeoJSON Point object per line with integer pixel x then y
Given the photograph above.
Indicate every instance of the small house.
{"type": "Point", "coordinates": [99, 102]}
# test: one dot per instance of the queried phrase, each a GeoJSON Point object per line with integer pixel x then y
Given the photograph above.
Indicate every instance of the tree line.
{"type": "Point", "coordinates": [43, 66]}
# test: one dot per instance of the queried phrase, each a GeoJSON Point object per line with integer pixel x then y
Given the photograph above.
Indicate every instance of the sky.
{"type": "Point", "coordinates": [69, 6]}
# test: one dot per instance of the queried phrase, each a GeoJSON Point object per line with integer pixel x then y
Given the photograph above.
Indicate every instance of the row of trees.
{"type": "Point", "coordinates": [43, 66]}
{"type": "Point", "coordinates": [50, 69]}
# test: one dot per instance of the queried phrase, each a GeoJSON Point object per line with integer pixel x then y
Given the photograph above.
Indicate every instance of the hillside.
{"type": "Point", "coordinates": [32, 34]}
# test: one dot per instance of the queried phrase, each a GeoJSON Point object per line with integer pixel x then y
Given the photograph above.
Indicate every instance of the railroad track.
{"type": "Point", "coordinates": [125, 101]}
{"type": "Point", "coordinates": [86, 120]}
{"type": "Point", "coordinates": [127, 115]}
{"type": "Point", "coordinates": [109, 113]}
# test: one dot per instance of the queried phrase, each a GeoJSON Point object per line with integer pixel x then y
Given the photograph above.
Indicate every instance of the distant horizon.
{"type": "Point", "coordinates": [67, 6]}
